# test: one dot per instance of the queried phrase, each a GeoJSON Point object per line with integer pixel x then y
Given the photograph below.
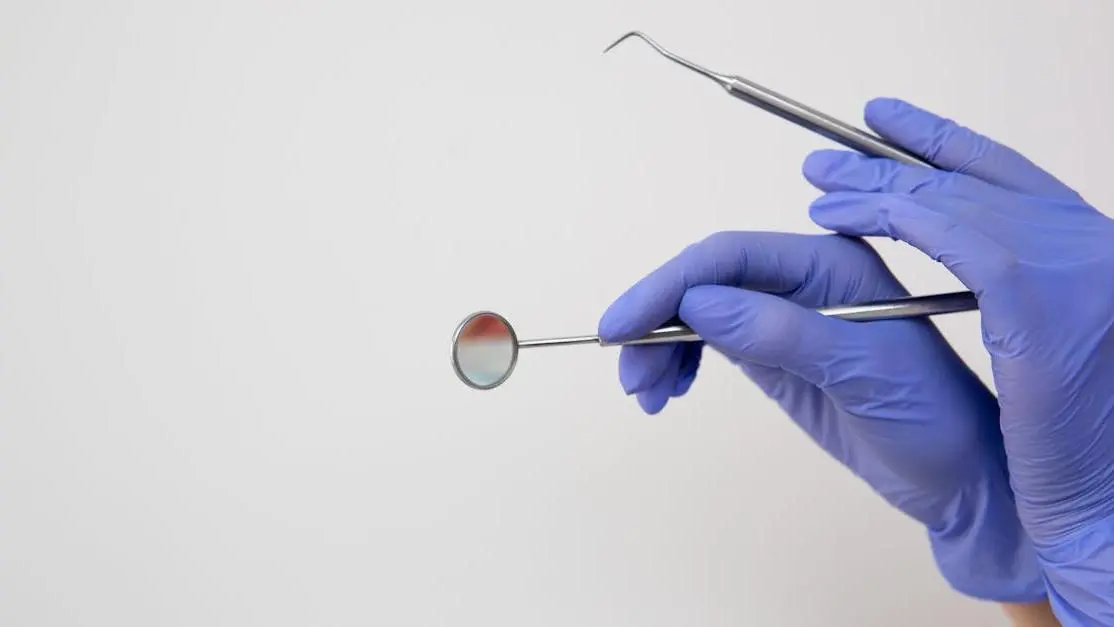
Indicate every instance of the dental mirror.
{"type": "Point", "coordinates": [485, 350]}
{"type": "Point", "coordinates": [485, 346]}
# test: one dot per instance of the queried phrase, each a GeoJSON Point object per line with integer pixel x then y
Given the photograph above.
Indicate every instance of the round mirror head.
{"type": "Point", "coordinates": [485, 350]}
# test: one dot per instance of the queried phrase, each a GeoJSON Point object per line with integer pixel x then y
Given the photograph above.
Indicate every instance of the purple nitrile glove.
{"type": "Point", "coordinates": [1041, 262]}
{"type": "Point", "coordinates": [890, 400]}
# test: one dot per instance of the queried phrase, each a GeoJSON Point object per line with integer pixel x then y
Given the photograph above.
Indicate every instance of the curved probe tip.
{"type": "Point", "coordinates": [625, 37]}
{"type": "Point", "coordinates": [716, 76]}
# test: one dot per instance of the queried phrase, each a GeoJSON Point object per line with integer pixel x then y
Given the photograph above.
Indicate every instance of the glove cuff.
{"type": "Point", "coordinates": [983, 552]}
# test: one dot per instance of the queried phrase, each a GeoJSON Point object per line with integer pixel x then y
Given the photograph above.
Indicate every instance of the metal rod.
{"type": "Point", "coordinates": [895, 309]}
{"type": "Point", "coordinates": [560, 341]}
{"type": "Point", "coordinates": [789, 109]}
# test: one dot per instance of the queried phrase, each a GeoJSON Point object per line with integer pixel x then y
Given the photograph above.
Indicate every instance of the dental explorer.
{"type": "Point", "coordinates": [821, 124]}
{"type": "Point", "coordinates": [788, 109]}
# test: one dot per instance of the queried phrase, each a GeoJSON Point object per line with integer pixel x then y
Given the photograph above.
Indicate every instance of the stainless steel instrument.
{"type": "Point", "coordinates": [485, 346]}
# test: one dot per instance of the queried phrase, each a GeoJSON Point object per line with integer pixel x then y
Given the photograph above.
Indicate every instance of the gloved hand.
{"type": "Point", "coordinates": [1041, 262]}
{"type": "Point", "coordinates": [890, 400]}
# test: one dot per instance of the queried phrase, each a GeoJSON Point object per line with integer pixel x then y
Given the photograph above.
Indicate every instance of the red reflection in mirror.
{"type": "Point", "coordinates": [485, 327]}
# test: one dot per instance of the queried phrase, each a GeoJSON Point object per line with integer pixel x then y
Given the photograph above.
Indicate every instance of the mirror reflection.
{"type": "Point", "coordinates": [484, 350]}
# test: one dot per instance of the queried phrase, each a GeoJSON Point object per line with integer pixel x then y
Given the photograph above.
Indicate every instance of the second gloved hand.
{"type": "Point", "coordinates": [1040, 260]}
{"type": "Point", "coordinates": [890, 400]}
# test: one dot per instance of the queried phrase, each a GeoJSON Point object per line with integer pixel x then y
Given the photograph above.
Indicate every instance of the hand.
{"type": "Point", "coordinates": [1041, 261]}
{"type": "Point", "coordinates": [890, 400]}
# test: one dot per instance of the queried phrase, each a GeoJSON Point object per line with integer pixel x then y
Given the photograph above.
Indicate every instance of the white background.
{"type": "Point", "coordinates": [236, 236]}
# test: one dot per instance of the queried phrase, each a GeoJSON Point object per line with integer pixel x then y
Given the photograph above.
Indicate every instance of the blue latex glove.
{"type": "Point", "coordinates": [1041, 262]}
{"type": "Point", "coordinates": [890, 400]}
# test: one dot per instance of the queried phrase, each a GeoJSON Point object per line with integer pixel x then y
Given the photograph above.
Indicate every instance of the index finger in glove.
{"type": "Point", "coordinates": [767, 262]}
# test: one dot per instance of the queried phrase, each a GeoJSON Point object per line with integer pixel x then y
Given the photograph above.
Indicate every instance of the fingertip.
{"type": "Point", "coordinates": [641, 367]}
{"type": "Point", "coordinates": [883, 108]}
{"type": "Point", "coordinates": [631, 383]}
{"type": "Point", "coordinates": [614, 324]}
{"type": "Point", "coordinates": [640, 309]}
{"type": "Point", "coordinates": [822, 211]}
{"type": "Point", "coordinates": [829, 207]}
{"type": "Point", "coordinates": [883, 105]}
{"type": "Point", "coordinates": [652, 401]}
{"type": "Point", "coordinates": [822, 168]}
{"type": "Point", "coordinates": [628, 318]}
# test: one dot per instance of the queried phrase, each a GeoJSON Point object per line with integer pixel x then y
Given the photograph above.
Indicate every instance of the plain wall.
{"type": "Point", "coordinates": [236, 236]}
